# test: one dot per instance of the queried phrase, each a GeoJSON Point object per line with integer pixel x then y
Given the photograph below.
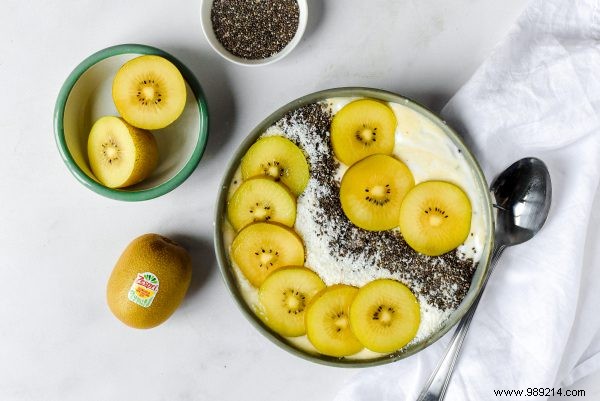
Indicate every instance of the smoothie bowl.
{"type": "Point", "coordinates": [353, 227]}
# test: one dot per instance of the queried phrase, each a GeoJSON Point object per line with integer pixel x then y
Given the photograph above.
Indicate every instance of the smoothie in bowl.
{"type": "Point", "coordinates": [353, 227]}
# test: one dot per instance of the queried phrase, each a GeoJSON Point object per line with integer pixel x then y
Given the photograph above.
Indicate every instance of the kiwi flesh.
{"type": "Point", "coordinates": [149, 92]}
{"type": "Point", "coordinates": [279, 158]}
{"type": "Point", "coordinates": [261, 248]}
{"type": "Point", "coordinates": [362, 128]}
{"type": "Point", "coordinates": [385, 315]}
{"type": "Point", "coordinates": [328, 321]}
{"type": "Point", "coordinates": [372, 191]}
{"type": "Point", "coordinates": [120, 154]}
{"type": "Point", "coordinates": [284, 296]}
{"type": "Point", "coordinates": [261, 199]}
{"type": "Point", "coordinates": [435, 217]}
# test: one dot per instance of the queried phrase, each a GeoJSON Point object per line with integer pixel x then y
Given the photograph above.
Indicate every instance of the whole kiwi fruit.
{"type": "Point", "coordinates": [149, 281]}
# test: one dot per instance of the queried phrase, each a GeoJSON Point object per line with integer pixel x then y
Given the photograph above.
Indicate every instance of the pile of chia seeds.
{"type": "Point", "coordinates": [443, 281]}
{"type": "Point", "coordinates": [255, 29]}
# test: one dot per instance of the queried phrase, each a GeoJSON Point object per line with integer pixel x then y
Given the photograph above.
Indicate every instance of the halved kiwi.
{"type": "Point", "coordinates": [435, 217]}
{"type": "Point", "coordinates": [261, 199]}
{"type": "Point", "coordinates": [261, 248]}
{"type": "Point", "coordinates": [149, 92]}
{"type": "Point", "coordinates": [328, 321]}
{"type": "Point", "coordinates": [120, 154]}
{"type": "Point", "coordinates": [372, 191]}
{"type": "Point", "coordinates": [284, 296]}
{"type": "Point", "coordinates": [385, 315]}
{"type": "Point", "coordinates": [362, 128]}
{"type": "Point", "coordinates": [279, 158]}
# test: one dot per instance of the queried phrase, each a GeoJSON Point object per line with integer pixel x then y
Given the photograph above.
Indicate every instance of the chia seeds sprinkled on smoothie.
{"type": "Point", "coordinates": [351, 255]}
{"type": "Point", "coordinates": [255, 29]}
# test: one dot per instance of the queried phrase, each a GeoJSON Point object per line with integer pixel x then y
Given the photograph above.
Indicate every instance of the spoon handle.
{"type": "Point", "coordinates": [436, 386]}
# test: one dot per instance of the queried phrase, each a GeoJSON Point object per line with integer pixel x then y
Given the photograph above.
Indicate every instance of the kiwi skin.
{"type": "Point", "coordinates": [169, 261]}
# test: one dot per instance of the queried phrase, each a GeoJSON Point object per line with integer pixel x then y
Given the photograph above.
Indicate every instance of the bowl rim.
{"type": "Point", "coordinates": [228, 274]}
{"type": "Point", "coordinates": [124, 194]}
{"type": "Point", "coordinates": [207, 29]}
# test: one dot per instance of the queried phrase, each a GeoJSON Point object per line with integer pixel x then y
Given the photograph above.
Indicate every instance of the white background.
{"type": "Point", "coordinates": [59, 241]}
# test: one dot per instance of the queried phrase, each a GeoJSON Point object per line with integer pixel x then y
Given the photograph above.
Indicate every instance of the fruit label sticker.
{"type": "Point", "coordinates": [144, 289]}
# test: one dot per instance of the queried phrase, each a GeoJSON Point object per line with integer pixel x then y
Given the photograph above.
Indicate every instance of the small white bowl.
{"type": "Point", "coordinates": [209, 33]}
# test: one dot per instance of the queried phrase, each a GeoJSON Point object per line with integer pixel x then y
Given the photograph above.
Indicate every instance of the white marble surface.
{"type": "Point", "coordinates": [59, 241]}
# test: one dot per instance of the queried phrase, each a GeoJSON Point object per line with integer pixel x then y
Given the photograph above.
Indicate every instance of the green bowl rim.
{"type": "Point", "coordinates": [229, 276]}
{"type": "Point", "coordinates": [118, 194]}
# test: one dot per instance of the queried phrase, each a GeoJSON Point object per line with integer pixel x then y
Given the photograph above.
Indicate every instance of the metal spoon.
{"type": "Point", "coordinates": [522, 193]}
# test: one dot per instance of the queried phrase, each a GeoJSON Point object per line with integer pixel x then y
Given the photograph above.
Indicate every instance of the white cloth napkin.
{"type": "Point", "coordinates": [538, 323]}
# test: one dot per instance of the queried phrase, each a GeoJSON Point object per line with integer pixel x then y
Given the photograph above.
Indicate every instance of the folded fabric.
{"type": "Point", "coordinates": [537, 95]}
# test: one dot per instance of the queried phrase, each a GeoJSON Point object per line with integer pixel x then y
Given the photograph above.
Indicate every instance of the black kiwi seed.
{"type": "Point", "coordinates": [301, 298]}
{"type": "Point", "coordinates": [112, 144]}
{"type": "Point", "coordinates": [437, 210]}
{"type": "Point", "coordinates": [380, 309]}
{"type": "Point", "coordinates": [269, 251]}
{"type": "Point", "coordinates": [362, 140]}
{"type": "Point", "coordinates": [339, 315]}
{"type": "Point", "coordinates": [266, 208]}
{"type": "Point", "coordinates": [157, 94]}
{"type": "Point", "coordinates": [379, 202]}
{"type": "Point", "coordinates": [275, 163]}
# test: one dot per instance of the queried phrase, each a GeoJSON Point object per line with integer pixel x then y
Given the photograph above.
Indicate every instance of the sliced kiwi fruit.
{"type": "Point", "coordinates": [284, 296]}
{"type": "Point", "coordinates": [261, 199]}
{"type": "Point", "coordinates": [149, 92]}
{"type": "Point", "coordinates": [328, 321]}
{"type": "Point", "coordinates": [372, 191]}
{"type": "Point", "coordinates": [361, 128]}
{"type": "Point", "coordinates": [120, 154]}
{"type": "Point", "coordinates": [385, 315]}
{"type": "Point", "coordinates": [435, 217]}
{"type": "Point", "coordinates": [279, 158]}
{"type": "Point", "coordinates": [261, 248]}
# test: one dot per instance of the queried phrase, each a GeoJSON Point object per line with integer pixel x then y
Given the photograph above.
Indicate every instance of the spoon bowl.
{"type": "Point", "coordinates": [522, 196]}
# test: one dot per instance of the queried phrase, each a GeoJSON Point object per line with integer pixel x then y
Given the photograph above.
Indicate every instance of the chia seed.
{"type": "Point", "coordinates": [255, 29]}
{"type": "Point", "coordinates": [443, 281]}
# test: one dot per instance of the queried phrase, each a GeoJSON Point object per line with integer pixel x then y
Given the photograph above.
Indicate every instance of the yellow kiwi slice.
{"type": "Point", "coordinates": [261, 248]}
{"type": "Point", "coordinates": [261, 199]}
{"type": "Point", "coordinates": [435, 217]}
{"type": "Point", "coordinates": [328, 321]}
{"type": "Point", "coordinates": [120, 155]}
{"type": "Point", "coordinates": [385, 315]}
{"type": "Point", "coordinates": [284, 296]}
{"type": "Point", "coordinates": [372, 191]}
{"type": "Point", "coordinates": [149, 92]}
{"type": "Point", "coordinates": [279, 158]}
{"type": "Point", "coordinates": [362, 128]}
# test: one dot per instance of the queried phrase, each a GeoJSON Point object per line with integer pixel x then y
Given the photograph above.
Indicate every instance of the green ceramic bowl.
{"type": "Point", "coordinates": [86, 96]}
{"type": "Point", "coordinates": [222, 241]}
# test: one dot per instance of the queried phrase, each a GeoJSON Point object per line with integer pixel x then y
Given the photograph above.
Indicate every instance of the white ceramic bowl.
{"type": "Point", "coordinates": [221, 50]}
{"type": "Point", "coordinates": [86, 96]}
